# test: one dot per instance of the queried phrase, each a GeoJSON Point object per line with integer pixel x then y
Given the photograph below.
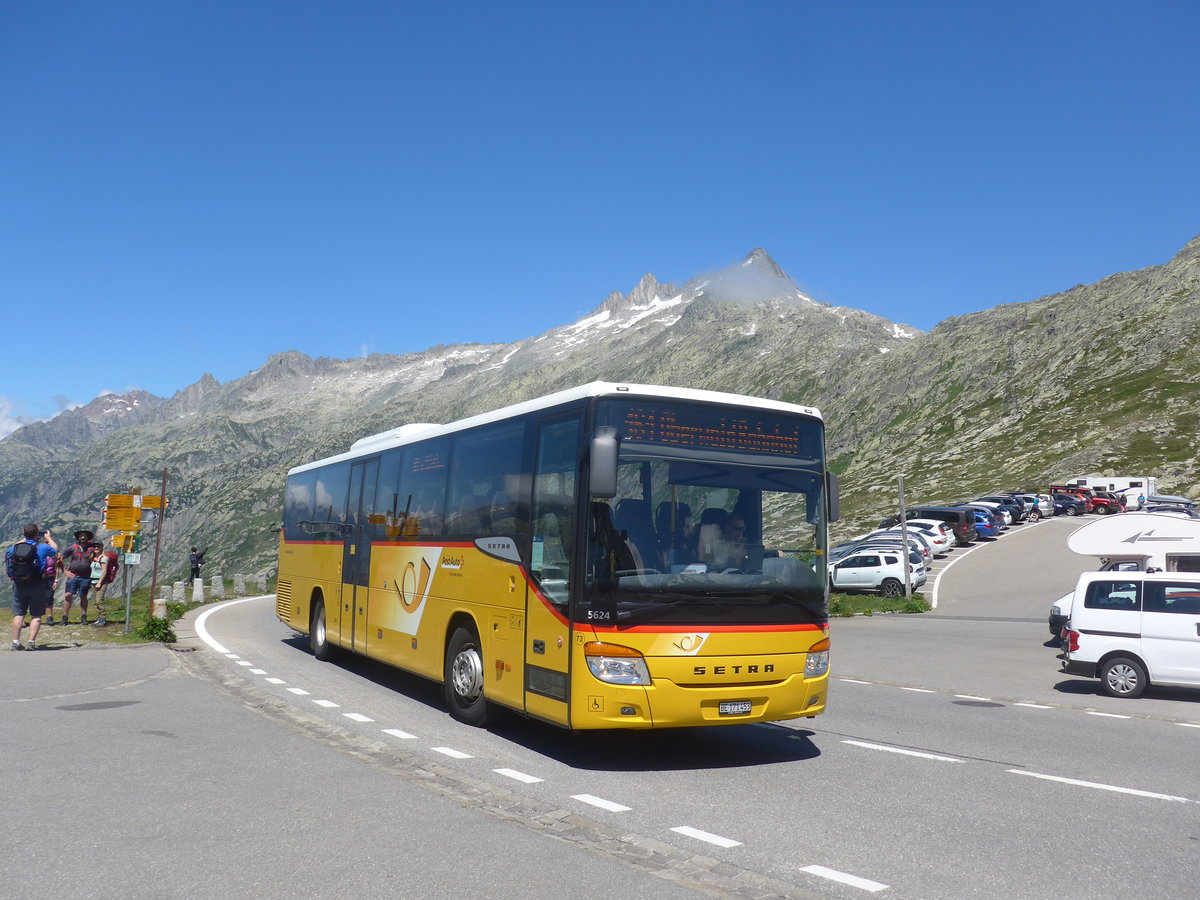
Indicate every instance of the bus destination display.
{"type": "Point", "coordinates": [712, 430]}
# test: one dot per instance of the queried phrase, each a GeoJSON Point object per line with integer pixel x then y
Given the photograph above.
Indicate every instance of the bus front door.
{"type": "Point", "coordinates": [356, 554]}
{"type": "Point", "coordinates": [548, 631]}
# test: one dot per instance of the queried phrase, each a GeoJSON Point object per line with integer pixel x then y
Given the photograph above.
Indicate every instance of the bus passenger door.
{"type": "Point", "coordinates": [553, 525]}
{"type": "Point", "coordinates": [356, 554]}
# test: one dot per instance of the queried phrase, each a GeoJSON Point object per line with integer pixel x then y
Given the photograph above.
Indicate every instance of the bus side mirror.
{"type": "Point", "coordinates": [603, 464]}
{"type": "Point", "coordinates": [834, 489]}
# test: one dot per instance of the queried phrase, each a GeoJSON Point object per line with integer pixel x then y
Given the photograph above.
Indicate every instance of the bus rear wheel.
{"type": "Point", "coordinates": [318, 636]}
{"type": "Point", "coordinates": [463, 681]}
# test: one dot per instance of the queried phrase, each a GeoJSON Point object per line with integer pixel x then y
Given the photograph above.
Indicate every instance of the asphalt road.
{"type": "Point", "coordinates": [954, 761]}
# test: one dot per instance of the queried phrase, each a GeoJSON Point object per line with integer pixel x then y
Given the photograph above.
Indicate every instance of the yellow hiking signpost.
{"type": "Point", "coordinates": [123, 513]}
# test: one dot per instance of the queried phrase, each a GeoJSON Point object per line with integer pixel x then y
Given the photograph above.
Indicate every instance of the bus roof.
{"type": "Point", "coordinates": [407, 434]}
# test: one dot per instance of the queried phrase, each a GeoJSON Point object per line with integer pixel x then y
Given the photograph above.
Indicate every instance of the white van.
{"type": "Point", "coordinates": [1134, 629]}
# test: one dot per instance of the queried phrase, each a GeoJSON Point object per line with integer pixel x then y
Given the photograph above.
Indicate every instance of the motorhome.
{"type": "Point", "coordinates": [1135, 542]}
{"type": "Point", "coordinates": [1132, 487]}
{"type": "Point", "coordinates": [1158, 542]}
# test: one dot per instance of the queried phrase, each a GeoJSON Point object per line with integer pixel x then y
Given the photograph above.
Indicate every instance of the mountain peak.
{"type": "Point", "coordinates": [759, 259]}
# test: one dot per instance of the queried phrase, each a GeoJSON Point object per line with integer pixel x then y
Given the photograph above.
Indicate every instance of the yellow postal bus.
{"type": "Point", "coordinates": [610, 556]}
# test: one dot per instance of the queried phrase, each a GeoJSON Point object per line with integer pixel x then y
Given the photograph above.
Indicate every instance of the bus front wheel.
{"type": "Point", "coordinates": [318, 636]}
{"type": "Point", "coordinates": [463, 683]}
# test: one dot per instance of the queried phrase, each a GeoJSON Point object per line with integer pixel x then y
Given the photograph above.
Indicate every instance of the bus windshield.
{"type": "Point", "coordinates": [715, 528]}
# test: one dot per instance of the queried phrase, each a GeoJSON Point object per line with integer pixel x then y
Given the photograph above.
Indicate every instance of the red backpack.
{"type": "Point", "coordinates": [113, 565]}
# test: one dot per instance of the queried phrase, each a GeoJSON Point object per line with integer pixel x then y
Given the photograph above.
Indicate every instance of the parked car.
{"type": "Point", "coordinates": [1181, 511]}
{"type": "Point", "coordinates": [1015, 506]}
{"type": "Point", "coordinates": [986, 525]}
{"type": "Point", "coordinates": [1036, 505]}
{"type": "Point", "coordinates": [1134, 629]}
{"type": "Point", "coordinates": [876, 570]}
{"type": "Point", "coordinates": [1002, 513]}
{"type": "Point", "coordinates": [914, 537]}
{"type": "Point", "coordinates": [962, 523]}
{"type": "Point", "coordinates": [939, 534]}
{"type": "Point", "coordinates": [1075, 505]}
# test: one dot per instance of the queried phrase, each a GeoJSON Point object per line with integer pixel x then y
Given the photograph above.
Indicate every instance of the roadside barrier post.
{"type": "Point", "coordinates": [198, 590]}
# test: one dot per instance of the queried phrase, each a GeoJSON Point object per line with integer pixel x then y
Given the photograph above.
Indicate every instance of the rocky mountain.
{"type": "Point", "coordinates": [1100, 377]}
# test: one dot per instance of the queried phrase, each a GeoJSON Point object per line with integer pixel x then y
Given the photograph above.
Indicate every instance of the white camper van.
{"type": "Point", "coordinates": [1132, 487]}
{"type": "Point", "coordinates": [1135, 542]}
{"type": "Point", "coordinates": [1134, 629]}
{"type": "Point", "coordinates": [1137, 621]}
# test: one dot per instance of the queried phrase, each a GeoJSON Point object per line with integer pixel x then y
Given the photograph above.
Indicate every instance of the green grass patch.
{"type": "Point", "coordinates": [842, 606]}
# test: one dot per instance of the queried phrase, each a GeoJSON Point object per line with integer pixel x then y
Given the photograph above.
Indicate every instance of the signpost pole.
{"type": "Point", "coordinates": [904, 541]}
{"type": "Point", "coordinates": [162, 514]}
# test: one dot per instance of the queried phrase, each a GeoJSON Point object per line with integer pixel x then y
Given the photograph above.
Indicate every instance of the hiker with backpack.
{"type": "Point", "coordinates": [27, 563]}
{"type": "Point", "coordinates": [77, 561]}
{"type": "Point", "coordinates": [104, 573]}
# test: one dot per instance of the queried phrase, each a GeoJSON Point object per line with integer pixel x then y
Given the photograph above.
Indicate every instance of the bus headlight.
{"type": "Point", "coordinates": [614, 664]}
{"type": "Point", "coordinates": [816, 663]}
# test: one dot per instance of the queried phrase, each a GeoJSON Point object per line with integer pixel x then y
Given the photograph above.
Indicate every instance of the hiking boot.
{"type": "Point", "coordinates": [49, 621]}
{"type": "Point", "coordinates": [17, 645]}
{"type": "Point", "coordinates": [101, 622]}
{"type": "Point", "coordinates": [31, 646]}
{"type": "Point", "coordinates": [83, 620]}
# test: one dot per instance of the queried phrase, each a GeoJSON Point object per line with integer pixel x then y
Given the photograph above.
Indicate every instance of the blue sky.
{"type": "Point", "coordinates": [190, 187]}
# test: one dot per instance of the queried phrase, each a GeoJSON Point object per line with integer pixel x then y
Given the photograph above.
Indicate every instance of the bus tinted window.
{"type": "Point", "coordinates": [488, 495]}
{"type": "Point", "coordinates": [422, 493]}
{"type": "Point", "coordinates": [299, 504]}
{"type": "Point", "coordinates": [332, 484]}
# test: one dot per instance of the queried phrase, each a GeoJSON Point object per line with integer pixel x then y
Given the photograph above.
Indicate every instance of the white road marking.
{"type": "Point", "coordinates": [600, 802]}
{"type": "Point", "coordinates": [1092, 712]}
{"type": "Point", "coordinates": [397, 733]}
{"type": "Point", "coordinates": [242, 662]}
{"type": "Point", "coordinates": [1033, 705]}
{"type": "Point", "coordinates": [1102, 787]}
{"type": "Point", "coordinates": [202, 629]}
{"type": "Point", "coordinates": [852, 880]}
{"type": "Point", "coordinates": [299, 692]}
{"type": "Point", "coordinates": [903, 751]}
{"type": "Point", "coordinates": [919, 690]}
{"type": "Point", "coordinates": [258, 671]}
{"type": "Point", "coordinates": [358, 717]}
{"type": "Point", "coordinates": [518, 776]}
{"type": "Point", "coordinates": [855, 681]}
{"type": "Point", "coordinates": [451, 752]}
{"type": "Point", "coordinates": [276, 681]}
{"type": "Point", "coordinates": [972, 697]}
{"type": "Point", "coordinates": [1187, 724]}
{"type": "Point", "coordinates": [232, 656]}
{"type": "Point", "coordinates": [328, 704]}
{"type": "Point", "coordinates": [699, 835]}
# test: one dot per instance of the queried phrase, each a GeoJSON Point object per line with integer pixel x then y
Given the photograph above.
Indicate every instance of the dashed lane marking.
{"type": "Point", "coordinates": [705, 836]}
{"type": "Point", "coordinates": [328, 704]}
{"type": "Point", "coordinates": [397, 733]}
{"type": "Point", "coordinates": [1102, 787]}
{"type": "Point", "coordinates": [600, 802]}
{"type": "Point", "coordinates": [843, 878]}
{"type": "Point", "coordinates": [518, 776]}
{"type": "Point", "coordinates": [451, 752]}
{"type": "Point", "coordinates": [903, 752]}
{"type": "Point", "coordinates": [299, 692]}
{"type": "Point", "coordinates": [358, 717]}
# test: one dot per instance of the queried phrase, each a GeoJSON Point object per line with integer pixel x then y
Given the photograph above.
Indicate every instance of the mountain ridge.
{"type": "Point", "coordinates": [976, 399]}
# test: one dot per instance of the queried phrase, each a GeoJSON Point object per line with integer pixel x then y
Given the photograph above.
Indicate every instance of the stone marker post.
{"type": "Point", "coordinates": [239, 585]}
{"type": "Point", "coordinates": [198, 590]}
{"type": "Point", "coordinates": [218, 588]}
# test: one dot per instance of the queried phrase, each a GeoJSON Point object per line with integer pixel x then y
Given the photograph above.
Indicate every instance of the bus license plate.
{"type": "Point", "coordinates": [734, 707]}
